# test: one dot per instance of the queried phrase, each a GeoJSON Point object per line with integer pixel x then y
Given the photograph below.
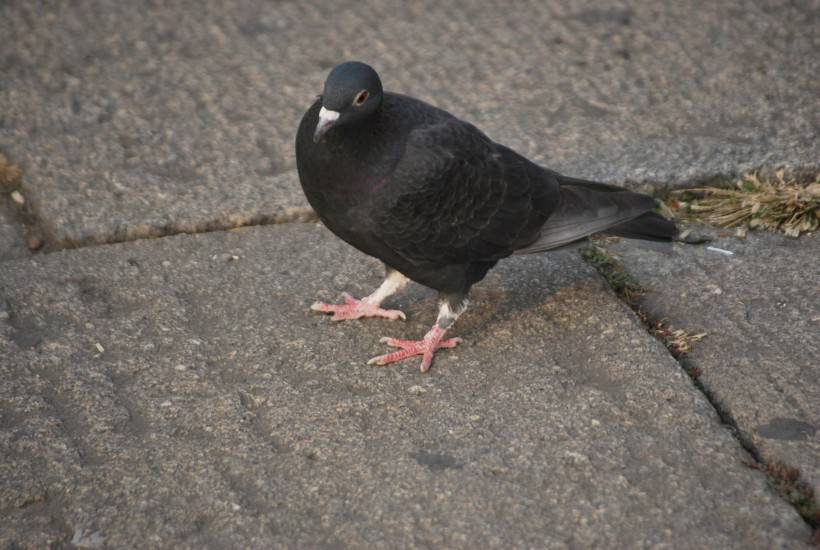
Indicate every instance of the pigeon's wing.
{"type": "Point", "coordinates": [586, 208]}
{"type": "Point", "coordinates": [455, 196]}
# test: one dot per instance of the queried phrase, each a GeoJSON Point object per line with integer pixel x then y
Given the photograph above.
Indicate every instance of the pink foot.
{"type": "Point", "coordinates": [425, 347]}
{"type": "Point", "coordinates": [354, 309]}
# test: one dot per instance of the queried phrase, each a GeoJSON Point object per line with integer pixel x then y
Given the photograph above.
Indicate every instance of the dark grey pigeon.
{"type": "Point", "coordinates": [438, 201]}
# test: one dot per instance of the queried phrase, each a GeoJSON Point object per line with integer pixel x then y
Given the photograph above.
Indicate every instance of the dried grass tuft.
{"type": "Point", "coordinates": [781, 204]}
{"type": "Point", "coordinates": [678, 341]}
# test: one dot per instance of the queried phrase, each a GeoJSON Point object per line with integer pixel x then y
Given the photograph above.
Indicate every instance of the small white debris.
{"type": "Point", "coordinates": [474, 418]}
{"type": "Point", "coordinates": [180, 368]}
{"type": "Point", "coordinates": [165, 404]}
{"type": "Point", "coordinates": [4, 315]}
{"type": "Point", "coordinates": [720, 250]}
{"type": "Point", "coordinates": [166, 263]}
{"type": "Point", "coordinates": [228, 257]}
{"type": "Point", "coordinates": [17, 197]}
{"type": "Point", "coordinates": [595, 422]}
{"type": "Point", "coordinates": [224, 257]}
{"type": "Point", "coordinates": [236, 507]}
{"type": "Point", "coordinates": [99, 347]}
{"type": "Point", "coordinates": [416, 390]}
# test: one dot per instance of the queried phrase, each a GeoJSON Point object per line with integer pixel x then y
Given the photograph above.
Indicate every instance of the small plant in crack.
{"type": "Point", "coordinates": [677, 341]}
{"type": "Point", "coordinates": [786, 480]}
{"type": "Point", "coordinates": [622, 283]}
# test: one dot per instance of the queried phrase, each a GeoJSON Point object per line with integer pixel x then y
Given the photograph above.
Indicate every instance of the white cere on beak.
{"type": "Point", "coordinates": [326, 120]}
{"type": "Point", "coordinates": [326, 115]}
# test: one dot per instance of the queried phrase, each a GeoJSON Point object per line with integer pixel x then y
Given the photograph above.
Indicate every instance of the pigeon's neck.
{"type": "Point", "coordinates": [366, 134]}
{"type": "Point", "coordinates": [364, 148]}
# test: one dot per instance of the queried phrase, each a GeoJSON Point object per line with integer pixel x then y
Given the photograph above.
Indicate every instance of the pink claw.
{"type": "Point", "coordinates": [425, 347]}
{"type": "Point", "coordinates": [355, 309]}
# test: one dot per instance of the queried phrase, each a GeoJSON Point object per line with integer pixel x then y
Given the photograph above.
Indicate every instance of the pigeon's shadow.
{"type": "Point", "coordinates": [519, 291]}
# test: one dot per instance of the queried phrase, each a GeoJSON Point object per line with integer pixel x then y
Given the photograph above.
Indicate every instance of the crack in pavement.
{"type": "Point", "coordinates": [784, 479]}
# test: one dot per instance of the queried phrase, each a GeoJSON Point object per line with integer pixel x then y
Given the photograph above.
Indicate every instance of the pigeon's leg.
{"type": "Point", "coordinates": [369, 305]}
{"type": "Point", "coordinates": [451, 307]}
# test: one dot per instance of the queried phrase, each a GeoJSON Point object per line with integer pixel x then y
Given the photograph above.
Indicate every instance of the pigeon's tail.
{"type": "Point", "coordinates": [588, 207]}
{"type": "Point", "coordinates": [649, 226]}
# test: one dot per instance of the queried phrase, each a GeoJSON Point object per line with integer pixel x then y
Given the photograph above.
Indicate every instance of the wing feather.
{"type": "Point", "coordinates": [455, 196]}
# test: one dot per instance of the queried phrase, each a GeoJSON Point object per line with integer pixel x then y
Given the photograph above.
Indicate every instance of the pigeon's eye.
{"type": "Point", "coordinates": [361, 98]}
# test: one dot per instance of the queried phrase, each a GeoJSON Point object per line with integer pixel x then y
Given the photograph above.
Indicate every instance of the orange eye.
{"type": "Point", "coordinates": [361, 98]}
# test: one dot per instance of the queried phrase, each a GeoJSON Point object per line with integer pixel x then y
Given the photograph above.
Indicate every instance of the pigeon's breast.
{"type": "Point", "coordinates": [349, 164]}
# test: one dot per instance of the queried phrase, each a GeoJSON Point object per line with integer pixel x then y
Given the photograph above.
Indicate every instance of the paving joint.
{"type": "Point", "coordinates": [284, 216]}
{"type": "Point", "coordinates": [784, 479]}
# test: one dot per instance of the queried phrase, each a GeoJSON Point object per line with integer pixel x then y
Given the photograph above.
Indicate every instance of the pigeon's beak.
{"type": "Point", "coordinates": [326, 120]}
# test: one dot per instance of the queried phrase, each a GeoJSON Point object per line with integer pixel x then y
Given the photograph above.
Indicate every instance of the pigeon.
{"type": "Point", "coordinates": [439, 202]}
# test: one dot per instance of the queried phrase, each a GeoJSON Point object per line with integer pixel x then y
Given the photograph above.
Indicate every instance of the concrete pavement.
{"type": "Point", "coordinates": [176, 392]}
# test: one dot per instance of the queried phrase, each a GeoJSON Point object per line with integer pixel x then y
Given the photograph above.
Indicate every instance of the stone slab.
{"type": "Point", "coordinates": [139, 119]}
{"type": "Point", "coordinates": [177, 392]}
{"type": "Point", "coordinates": [761, 309]}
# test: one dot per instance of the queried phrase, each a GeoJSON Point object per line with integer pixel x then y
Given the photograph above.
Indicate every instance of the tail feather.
{"type": "Point", "coordinates": [588, 207]}
{"type": "Point", "coordinates": [649, 226]}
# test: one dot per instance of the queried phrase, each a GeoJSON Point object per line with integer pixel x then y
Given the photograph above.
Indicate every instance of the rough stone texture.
{"type": "Point", "coordinates": [761, 308]}
{"type": "Point", "coordinates": [12, 239]}
{"type": "Point", "coordinates": [177, 393]}
{"type": "Point", "coordinates": [136, 118]}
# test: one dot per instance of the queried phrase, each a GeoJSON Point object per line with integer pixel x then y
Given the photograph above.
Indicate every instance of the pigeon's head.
{"type": "Point", "coordinates": [353, 91]}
